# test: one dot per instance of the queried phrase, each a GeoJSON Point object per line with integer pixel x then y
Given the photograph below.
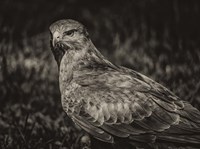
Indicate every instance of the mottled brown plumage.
{"type": "Point", "coordinates": [112, 102]}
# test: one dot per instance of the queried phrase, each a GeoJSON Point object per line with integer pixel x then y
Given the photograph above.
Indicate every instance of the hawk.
{"type": "Point", "coordinates": [112, 102]}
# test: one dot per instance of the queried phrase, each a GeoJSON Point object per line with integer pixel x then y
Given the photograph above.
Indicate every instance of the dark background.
{"type": "Point", "coordinates": [159, 38]}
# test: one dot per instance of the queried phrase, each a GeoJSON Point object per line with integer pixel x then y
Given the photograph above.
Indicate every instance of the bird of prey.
{"type": "Point", "coordinates": [112, 102]}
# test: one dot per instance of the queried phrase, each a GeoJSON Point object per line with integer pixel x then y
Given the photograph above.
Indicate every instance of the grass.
{"type": "Point", "coordinates": [159, 39]}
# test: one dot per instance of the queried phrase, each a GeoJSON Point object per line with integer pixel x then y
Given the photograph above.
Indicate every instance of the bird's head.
{"type": "Point", "coordinates": [67, 35]}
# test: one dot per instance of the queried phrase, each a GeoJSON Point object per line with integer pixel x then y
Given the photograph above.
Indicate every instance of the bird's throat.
{"type": "Point", "coordinates": [58, 54]}
{"type": "Point", "coordinates": [65, 71]}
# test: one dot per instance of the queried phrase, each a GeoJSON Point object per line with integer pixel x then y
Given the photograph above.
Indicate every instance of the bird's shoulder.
{"type": "Point", "coordinates": [99, 75]}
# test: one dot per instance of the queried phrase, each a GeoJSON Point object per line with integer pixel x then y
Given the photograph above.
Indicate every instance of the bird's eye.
{"type": "Point", "coordinates": [69, 33]}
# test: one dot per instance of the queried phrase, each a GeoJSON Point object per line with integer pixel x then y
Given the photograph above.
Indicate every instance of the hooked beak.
{"type": "Point", "coordinates": [56, 38]}
{"type": "Point", "coordinates": [58, 43]}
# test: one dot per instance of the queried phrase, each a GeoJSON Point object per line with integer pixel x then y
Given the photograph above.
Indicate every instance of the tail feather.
{"type": "Point", "coordinates": [147, 138]}
{"type": "Point", "coordinates": [191, 113]}
{"type": "Point", "coordinates": [192, 140]}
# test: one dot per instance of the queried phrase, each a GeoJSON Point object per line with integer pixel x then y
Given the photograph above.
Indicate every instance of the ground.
{"type": "Point", "coordinates": [160, 39]}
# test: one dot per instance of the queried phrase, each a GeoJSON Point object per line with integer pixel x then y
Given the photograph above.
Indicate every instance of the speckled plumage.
{"type": "Point", "coordinates": [111, 102]}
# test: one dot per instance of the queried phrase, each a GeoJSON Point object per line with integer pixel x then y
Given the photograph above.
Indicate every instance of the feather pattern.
{"type": "Point", "coordinates": [128, 107]}
{"type": "Point", "coordinates": [110, 101]}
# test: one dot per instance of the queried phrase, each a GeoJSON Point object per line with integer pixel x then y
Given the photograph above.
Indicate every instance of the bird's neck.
{"type": "Point", "coordinates": [73, 61]}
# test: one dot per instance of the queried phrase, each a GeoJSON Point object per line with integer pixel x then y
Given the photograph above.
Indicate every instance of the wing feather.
{"type": "Point", "coordinates": [96, 132]}
{"type": "Point", "coordinates": [114, 131]}
{"type": "Point", "coordinates": [124, 103]}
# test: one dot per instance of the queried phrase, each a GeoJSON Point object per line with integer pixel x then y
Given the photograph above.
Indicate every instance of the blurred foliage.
{"type": "Point", "coordinates": [160, 39]}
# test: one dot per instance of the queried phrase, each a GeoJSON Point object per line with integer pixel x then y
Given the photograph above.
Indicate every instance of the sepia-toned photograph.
{"type": "Point", "coordinates": [89, 74]}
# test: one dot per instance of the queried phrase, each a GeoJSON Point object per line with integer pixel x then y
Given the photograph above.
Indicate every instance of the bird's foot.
{"type": "Point", "coordinates": [84, 141]}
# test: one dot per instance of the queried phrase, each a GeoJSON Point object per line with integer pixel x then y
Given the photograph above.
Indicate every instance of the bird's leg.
{"type": "Point", "coordinates": [83, 140]}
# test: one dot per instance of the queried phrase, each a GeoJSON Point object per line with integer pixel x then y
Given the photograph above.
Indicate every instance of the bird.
{"type": "Point", "coordinates": [113, 103]}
